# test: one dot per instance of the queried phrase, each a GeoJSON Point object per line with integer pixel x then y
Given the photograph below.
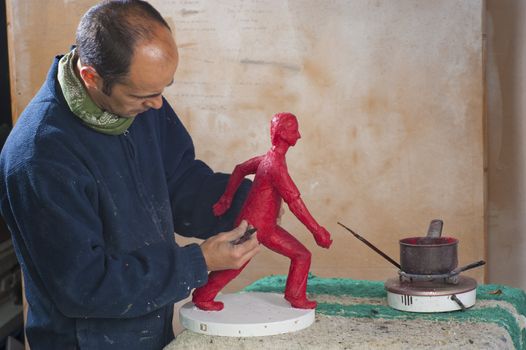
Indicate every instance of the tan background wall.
{"type": "Point", "coordinates": [506, 90]}
{"type": "Point", "coordinates": [389, 95]}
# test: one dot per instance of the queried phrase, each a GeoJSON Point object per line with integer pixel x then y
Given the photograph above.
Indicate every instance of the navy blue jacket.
{"type": "Point", "coordinates": [93, 217]}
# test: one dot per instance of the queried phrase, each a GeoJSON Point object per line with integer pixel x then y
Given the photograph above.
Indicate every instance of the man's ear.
{"type": "Point", "coordinates": [90, 77]}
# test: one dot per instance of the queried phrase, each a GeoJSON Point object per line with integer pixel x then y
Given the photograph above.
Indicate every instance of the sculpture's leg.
{"type": "Point", "coordinates": [284, 243]}
{"type": "Point", "coordinates": [203, 297]}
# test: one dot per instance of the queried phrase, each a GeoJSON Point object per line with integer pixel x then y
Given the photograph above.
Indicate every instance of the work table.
{"type": "Point", "coordinates": [353, 314]}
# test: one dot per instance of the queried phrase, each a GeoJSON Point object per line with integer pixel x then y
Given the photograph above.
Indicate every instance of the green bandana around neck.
{"type": "Point", "coordinates": [82, 105]}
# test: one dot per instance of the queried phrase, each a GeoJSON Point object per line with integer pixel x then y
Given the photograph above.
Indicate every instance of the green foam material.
{"type": "Point", "coordinates": [375, 289]}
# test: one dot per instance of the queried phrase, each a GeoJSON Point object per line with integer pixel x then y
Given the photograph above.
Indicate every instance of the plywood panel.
{"type": "Point", "coordinates": [389, 95]}
{"type": "Point", "coordinates": [506, 89]}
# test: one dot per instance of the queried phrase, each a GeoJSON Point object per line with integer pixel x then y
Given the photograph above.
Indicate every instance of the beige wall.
{"type": "Point", "coordinates": [390, 100]}
{"type": "Point", "coordinates": [506, 108]}
{"type": "Point", "coordinates": [389, 95]}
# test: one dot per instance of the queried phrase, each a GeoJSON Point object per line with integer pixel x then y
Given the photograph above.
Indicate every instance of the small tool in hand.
{"type": "Point", "coordinates": [245, 237]}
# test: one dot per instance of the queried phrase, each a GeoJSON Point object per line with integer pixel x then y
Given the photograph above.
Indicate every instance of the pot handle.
{"type": "Point", "coordinates": [467, 267]}
{"type": "Point", "coordinates": [435, 228]}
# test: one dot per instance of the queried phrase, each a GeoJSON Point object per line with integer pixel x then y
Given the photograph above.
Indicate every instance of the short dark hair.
{"type": "Point", "coordinates": [108, 32]}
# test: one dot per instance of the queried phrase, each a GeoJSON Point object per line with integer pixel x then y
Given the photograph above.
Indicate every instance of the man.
{"type": "Point", "coordinates": [261, 209]}
{"type": "Point", "coordinates": [95, 178]}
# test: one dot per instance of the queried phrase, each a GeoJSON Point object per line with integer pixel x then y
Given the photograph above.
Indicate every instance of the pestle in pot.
{"type": "Point", "coordinates": [435, 228]}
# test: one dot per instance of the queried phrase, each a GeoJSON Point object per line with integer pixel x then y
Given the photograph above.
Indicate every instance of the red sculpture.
{"type": "Point", "coordinates": [272, 182]}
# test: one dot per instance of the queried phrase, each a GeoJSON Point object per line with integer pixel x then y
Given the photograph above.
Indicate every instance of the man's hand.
{"type": "Point", "coordinates": [222, 205]}
{"type": "Point", "coordinates": [323, 237]}
{"type": "Point", "coordinates": [221, 254]}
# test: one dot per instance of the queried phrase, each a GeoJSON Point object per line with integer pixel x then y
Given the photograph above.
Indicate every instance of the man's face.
{"type": "Point", "coordinates": [152, 69]}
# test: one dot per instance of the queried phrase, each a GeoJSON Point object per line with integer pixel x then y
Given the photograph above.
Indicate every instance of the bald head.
{"type": "Point", "coordinates": [110, 33]}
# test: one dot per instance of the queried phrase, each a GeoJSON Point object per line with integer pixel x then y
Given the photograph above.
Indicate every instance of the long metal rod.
{"type": "Point", "coordinates": [370, 245]}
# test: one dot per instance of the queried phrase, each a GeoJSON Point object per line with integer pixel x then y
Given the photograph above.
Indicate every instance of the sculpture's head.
{"type": "Point", "coordinates": [284, 126]}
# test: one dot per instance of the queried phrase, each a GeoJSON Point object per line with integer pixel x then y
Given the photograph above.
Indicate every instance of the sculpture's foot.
{"type": "Point", "coordinates": [209, 305]}
{"type": "Point", "coordinates": [302, 303]}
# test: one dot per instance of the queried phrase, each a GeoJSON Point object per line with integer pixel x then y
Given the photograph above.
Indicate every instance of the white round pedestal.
{"type": "Point", "coordinates": [247, 315]}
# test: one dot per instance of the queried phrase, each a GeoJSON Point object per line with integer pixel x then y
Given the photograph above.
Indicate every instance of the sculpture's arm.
{"type": "Point", "coordinates": [321, 235]}
{"type": "Point", "coordinates": [239, 173]}
{"type": "Point", "coordinates": [290, 193]}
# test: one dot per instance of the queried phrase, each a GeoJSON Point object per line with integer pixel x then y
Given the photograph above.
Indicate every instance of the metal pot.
{"type": "Point", "coordinates": [431, 256]}
{"type": "Point", "coordinates": [428, 256]}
